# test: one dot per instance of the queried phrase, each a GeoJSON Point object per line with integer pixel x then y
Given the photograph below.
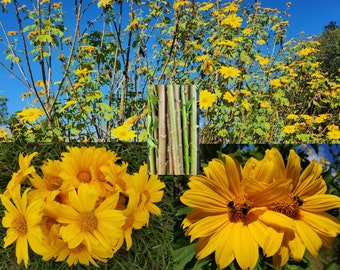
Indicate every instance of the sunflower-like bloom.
{"type": "Point", "coordinates": [305, 204]}
{"type": "Point", "coordinates": [25, 169]}
{"type": "Point", "coordinates": [83, 165]}
{"type": "Point", "coordinates": [230, 221]}
{"type": "Point", "coordinates": [85, 221]}
{"type": "Point", "coordinates": [148, 190]}
{"type": "Point", "coordinates": [22, 220]}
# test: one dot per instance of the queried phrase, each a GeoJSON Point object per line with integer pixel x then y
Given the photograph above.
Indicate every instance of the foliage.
{"type": "Point", "coordinates": [329, 54]}
{"type": "Point", "coordinates": [89, 73]}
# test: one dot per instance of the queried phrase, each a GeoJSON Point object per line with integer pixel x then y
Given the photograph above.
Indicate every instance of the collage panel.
{"type": "Point", "coordinates": [173, 129]}
{"type": "Point", "coordinates": [68, 205]}
{"type": "Point", "coordinates": [259, 206]}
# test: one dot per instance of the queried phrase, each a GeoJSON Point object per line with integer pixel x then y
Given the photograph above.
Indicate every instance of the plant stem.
{"type": "Point", "coordinates": [161, 130]}
{"type": "Point", "coordinates": [185, 131]}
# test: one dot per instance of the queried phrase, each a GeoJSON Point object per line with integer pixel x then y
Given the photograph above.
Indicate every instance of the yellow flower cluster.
{"type": "Point", "coordinates": [124, 132]}
{"type": "Point", "coordinates": [81, 209]}
{"type": "Point", "coordinates": [30, 115]}
{"type": "Point", "coordinates": [265, 204]}
{"type": "Point", "coordinates": [206, 99]}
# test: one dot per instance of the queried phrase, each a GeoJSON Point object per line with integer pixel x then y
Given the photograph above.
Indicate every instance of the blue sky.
{"type": "Point", "coordinates": [309, 16]}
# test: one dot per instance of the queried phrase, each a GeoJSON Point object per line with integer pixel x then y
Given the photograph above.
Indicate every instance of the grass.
{"type": "Point", "coordinates": [152, 245]}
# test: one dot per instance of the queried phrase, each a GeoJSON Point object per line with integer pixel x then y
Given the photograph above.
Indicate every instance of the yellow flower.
{"type": "Point", "coordinates": [333, 127]}
{"type": "Point", "coordinates": [305, 204]}
{"type": "Point", "coordinates": [246, 92]}
{"type": "Point", "coordinates": [260, 41]}
{"type": "Point", "coordinates": [319, 119]}
{"type": "Point", "coordinates": [123, 133]}
{"type": "Point", "coordinates": [87, 48]}
{"type": "Point", "coordinates": [245, 104]}
{"type": "Point", "coordinates": [207, 99]}
{"type": "Point", "coordinates": [334, 134]}
{"type": "Point", "coordinates": [181, 3]}
{"type": "Point", "coordinates": [67, 105]}
{"type": "Point", "coordinates": [104, 3]}
{"type": "Point", "coordinates": [228, 96]}
{"type": "Point", "coordinates": [207, 66]}
{"type": "Point", "coordinates": [89, 220]}
{"type": "Point", "coordinates": [57, 5]}
{"type": "Point", "coordinates": [275, 83]}
{"type": "Point", "coordinates": [3, 133]}
{"type": "Point", "coordinates": [148, 189]}
{"type": "Point", "coordinates": [39, 83]}
{"type": "Point", "coordinates": [289, 129]}
{"type": "Point", "coordinates": [12, 33]}
{"type": "Point", "coordinates": [48, 186]}
{"type": "Point", "coordinates": [265, 104]}
{"type": "Point", "coordinates": [247, 31]}
{"type": "Point", "coordinates": [23, 223]}
{"type": "Point", "coordinates": [228, 220]}
{"type": "Point", "coordinates": [232, 20]}
{"type": "Point", "coordinates": [229, 72]}
{"type": "Point", "coordinates": [25, 169]}
{"type": "Point", "coordinates": [83, 165]}
{"type": "Point", "coordinates": [262, 60]}
{"type": "Point", "coordinates": [30, 115]}
{"type": "Point", "coordinates": [300, 126]}
{"type": "Point", "coordinates": [231, 8]}
{"type": "Point", "coordinates": [206, 6]}
{"type": "Point", "coordinates": [307, 51]}
{"type": "Point", "coordinates": [292, 117]}
{"type": "Point", "coordinates": [229, 43]}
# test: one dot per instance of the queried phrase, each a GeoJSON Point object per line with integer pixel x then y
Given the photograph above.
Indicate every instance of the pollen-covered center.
{"type": "Point", "coordinates": [88, 221]}
{"type": "Point", "coordinates": [129, 222]}
{"type": "Point", "coordinates": [84, 176]}
{"type": "Point", "coordinates": [78, 249]}
{"type": "Point", "coordinates": [289, 206]}
{"type": "Point", "coordinates": [20, 225]}
{"type": "Point", "coordinates": [239, 210]}
{"type": "Point", "coordinates": [53, 182]}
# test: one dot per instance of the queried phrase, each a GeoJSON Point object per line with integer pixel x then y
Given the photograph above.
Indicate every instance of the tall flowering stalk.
{"type": "Point", "coordinates": [81, 209]}
{"type": "Point", "coordinates": [265, 204]}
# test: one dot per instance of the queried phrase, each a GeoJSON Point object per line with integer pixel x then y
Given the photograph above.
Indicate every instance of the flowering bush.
{"type": "Point", "coordinates": [81, 208]}
{"type": "Point", "coordinates": [265, 204]}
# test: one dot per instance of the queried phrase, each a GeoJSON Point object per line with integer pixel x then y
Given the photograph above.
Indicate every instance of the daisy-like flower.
{"type": "Point", "coordinates": [18, 177]}
{"type": "Point", "coordinates": [148, 189]}
{"type": "Point", "coordinates": [207, 99]}
{"type": "Point", "coordinates": [82, 165]}
{"type": "Point", "coordinates": [230, 221]}
{"type": "Point", "coordinates": [49, 185]}
{"type": "Point", "coordinates": [30, 115]}
{"type": "Point", "coordinates": [23, 223]}
{"type": "Point", "coordinates": [305, 204]}
{"type": "Point", "coordinates": [123, 132]}
{"type": "Point", "coordinates": [232, 20]}
{"type": "Point", "coordinates": [229, 72]}
{"type": "Point", "coordinates": [83, 220]}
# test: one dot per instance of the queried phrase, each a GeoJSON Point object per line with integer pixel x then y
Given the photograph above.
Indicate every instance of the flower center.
{"type": "Point", "coordinates": [54, 182]}
{"type": "Point", "coordinates": [78, 249]}
{"type": "Point", "coordinates": [129, 222]}
{"type": "Point", "coordinates": [84, 176]}
{"type": "Point", "coordinates": [20, 225]}
{"type": "Point", "coordinates": [239, 210]}
{"type": "Point", "coordinates": [88, 221]}
{"type": "Point", "coordinates": [289, 206]}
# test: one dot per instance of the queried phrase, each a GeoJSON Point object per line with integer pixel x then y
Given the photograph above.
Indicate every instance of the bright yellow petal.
{"type": "Point", "coordinates": [233, 173]}
{"type": "Point", "coordinates": [322, 223]}
{"type": "Point", "coordinates": [273, 242]}
{"type": "Point", "coordinates": [224, 253]}
{"type": "Point", "coordinates": [246, 249]}
{"type": "Point", "coordinates": [293, 167]}
{"type": "Point", "coordinates": [11, 236]}
{"type": "Point", "coordinates": [308, 237]}
{"type": "Point", "coordinates": [21, 250]}
{"type": "Point", "coordinates": [296, 248]}
{"type": "Point", "coordinates": [277, 220]}
{"type": "Point", "coordinates": [319, 203]}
